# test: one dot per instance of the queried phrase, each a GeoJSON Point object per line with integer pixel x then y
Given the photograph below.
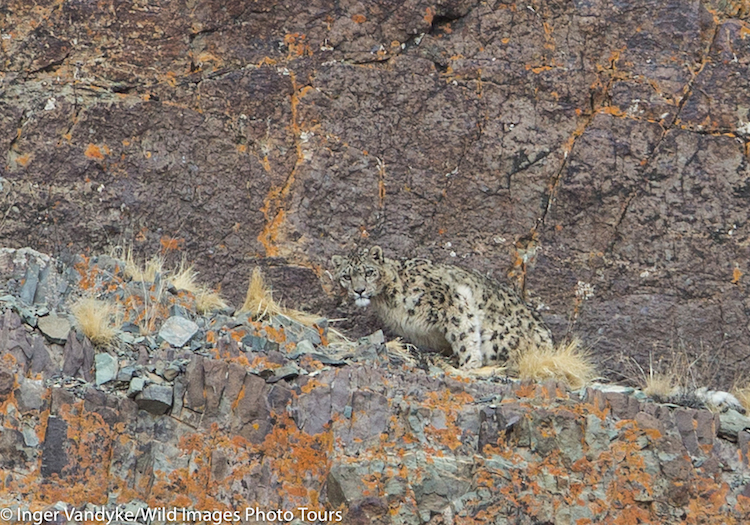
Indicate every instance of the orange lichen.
{"type": "Point", "coordinates": [170, 244]}
{"type": "Point", "coordinates": [95, 152]}
{"type": "Point", "coordinates": [300, 461]}
{"type": "Point", "coordinates": [24, 159]}
{"type": "Point", "coordinates": [88, 274]}
{"type": "Point", "coordinates": [276, 335]}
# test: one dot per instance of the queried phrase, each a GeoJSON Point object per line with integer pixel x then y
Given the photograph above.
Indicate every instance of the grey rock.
{"type": "Point", "coordinates": [78, 358]}
{"type": "Point", "coordinates": [287, 371]}
{"type": "Point", "coordinates": [28, 314]}
{"type": "Point", "coordinates": [29, 394]}
{"type": "Point", "coordinates": [55, 328]}
{"type": "Point", "coordinates": [12, 454]}
{"type": "Point", "coordinates": [158, 368]}
{"type": "Point", "coordinates": [395, 487]}
{"type": "Point", "coordinates": [177, 331]}
{"type": "Point", "coordinates": [345, 482]}
{"type": "Point", "coordinates": [131, 328]}
{"type": "Point", "coordinates": [172, 371]}
{"type": "Point", "coordinates": [8, 299]}
{"type": "Point", "coordinates": [42, 361]}
{"type": "Point", "coordinates": [177, 310]}
{"type": "Point", "coordinates": [313, 410]}
{"type": "Point", "coordinates": [105, 262]}
{"type": "Point", "coordinates": [156, 399]}
{"type": "Point", "coordinates": [375, 338]}
{"type": "Point", "coordinates": [41, 311]}
{"type": "Point", "coordinates": [732, 423]}
{"type": "Point", "coordinates": [305, 347]}
{"type": "Point", "coordinates": [30, 437]}
{"type": "Point", "coordinates": [254, 342]}
{"type": "Point", "coordinates": [282, 321]}
{"type": "Point", "coordinates": [323, 358]}
{"type": "Point", "coordinates": [106, 367]}
{"type": "Point", "coordinates": [368, 353]}
{"type": "Point", "coordinates": [295, 331]}
{"type": "Point", "coordinates": [126, 373]}
{"type": "Point", "coordinates": [222, 320]}
{"type": "Point", "coordinates": [31, 281]}
{"type": "Point", "coordinates": [136, 386]}
{"type": "Point", "coordinates": [168, 458]}
{"type": "Point", "coordinates": [367, 420]}
{"type": "Point", "coordinates": [196, 344]}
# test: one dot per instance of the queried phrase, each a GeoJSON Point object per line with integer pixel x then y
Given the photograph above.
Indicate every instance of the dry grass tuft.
{"type": "Point", "coordinates": [667, 377]}
{"type": "Point", "coordinates": [95, 319]}
{"type": "Point", "coordinates": [743, 396]}
{"type": "Point", "coordinates": [400, 349]}
{"type": "Point", "coordinates": [567, 363]}
{"type": "Point", "coordinates": [146, 273]}
{"type": "Point", "coordinates": [259, 300]}
{"type": "Point", "coordinates": [184, 278]}
{"type": "Point", "coordinates": [207, 300]}
{"type": "Point", "coordinates": [660, 386]}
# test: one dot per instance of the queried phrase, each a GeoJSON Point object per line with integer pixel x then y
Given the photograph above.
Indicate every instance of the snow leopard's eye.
{"type": "Point", "coordinates": [369, 272]}
{"type": "Point", "coordinates": [346, 277]}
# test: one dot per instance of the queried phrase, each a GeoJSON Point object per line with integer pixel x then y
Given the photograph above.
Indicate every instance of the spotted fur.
{"type": "Point", "coordinates": [442, 307]}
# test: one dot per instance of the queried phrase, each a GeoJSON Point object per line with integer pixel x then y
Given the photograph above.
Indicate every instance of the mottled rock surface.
{"type": "Point", "coordinates": [352, 431]}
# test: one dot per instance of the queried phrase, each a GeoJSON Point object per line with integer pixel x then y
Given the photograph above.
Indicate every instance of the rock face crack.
{"type": "Point", "coordinates": [687, 90]}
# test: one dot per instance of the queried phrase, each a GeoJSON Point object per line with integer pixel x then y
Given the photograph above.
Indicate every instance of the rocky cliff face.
{"type": "Point", "coordinates": [249, 414]}
{"type": "Point", "coordinates": [586, 149]}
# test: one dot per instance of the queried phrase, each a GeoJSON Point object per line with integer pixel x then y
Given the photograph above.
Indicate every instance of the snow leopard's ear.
{"type": "Point", "coordinates": [376, 252]}
{"type": "Point", "coordinates": [337, 262]}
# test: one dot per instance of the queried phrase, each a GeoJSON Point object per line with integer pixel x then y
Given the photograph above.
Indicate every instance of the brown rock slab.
{"type": "Point", "coordinates": [54, 449]}
{"type": "Point", "coordinates": [54, 327]}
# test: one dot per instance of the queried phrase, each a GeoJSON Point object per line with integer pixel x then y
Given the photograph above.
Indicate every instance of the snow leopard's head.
{"type": "Point", "coordinates": [360, 273]}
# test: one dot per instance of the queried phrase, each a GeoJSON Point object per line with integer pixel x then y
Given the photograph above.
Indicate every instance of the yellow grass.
{"type": "Point", "coordinates": [259, 302]}
{"type": "Point", "coordinates": [184, 279]}
{"type": "Point", "coordinates": [660, 386]}
{"type": "Point", "coordinates": [146, 273]}
{"type": "Point", "coordinates": [207, 300]}
{"type": "Point", "coordinates": [743, 395]}
{"type": "Point", "coordinates": [567, 363]}
{"type": "Point", "coordinates": [401, 349]}
{"type": "Point", "coordinates": [95, 319]}
{"type": "Point", "coordinates": [258, 299]}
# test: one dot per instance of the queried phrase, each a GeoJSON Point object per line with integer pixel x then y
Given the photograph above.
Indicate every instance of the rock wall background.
{"type": "Point", "coordinates": [587, 149]}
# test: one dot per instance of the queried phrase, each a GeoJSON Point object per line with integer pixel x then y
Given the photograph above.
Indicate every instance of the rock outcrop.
{"type": "Point", "coordinates": [264, 414]}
